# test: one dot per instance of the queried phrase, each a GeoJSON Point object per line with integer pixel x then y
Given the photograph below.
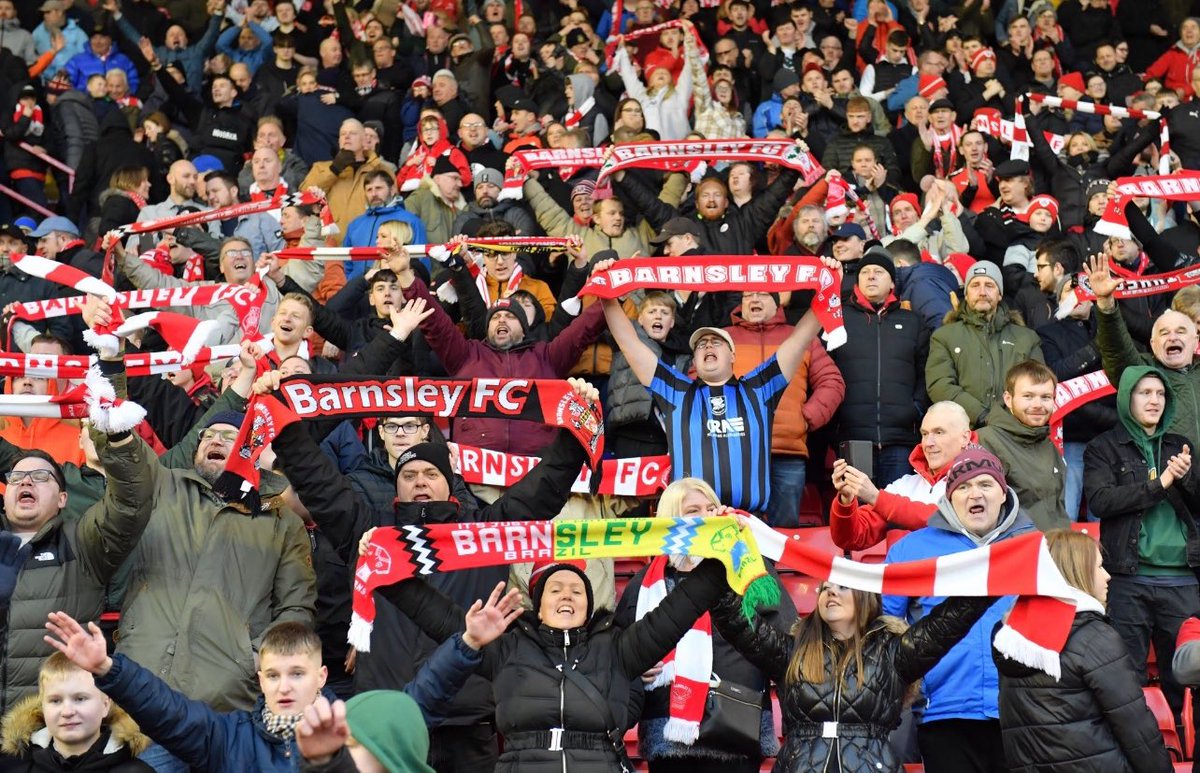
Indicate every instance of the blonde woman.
{"type": "Point", "coordinates": [658, 741]}
{"type": "Point", "coordinates": [1095, 717]}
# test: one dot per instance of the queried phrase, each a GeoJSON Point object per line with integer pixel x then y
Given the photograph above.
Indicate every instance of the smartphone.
{"type": "Point", "coordinates": [859, 454]}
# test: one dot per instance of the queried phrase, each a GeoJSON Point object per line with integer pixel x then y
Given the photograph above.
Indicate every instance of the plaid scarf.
{"type": "Point", "coordinates": [281, 725]}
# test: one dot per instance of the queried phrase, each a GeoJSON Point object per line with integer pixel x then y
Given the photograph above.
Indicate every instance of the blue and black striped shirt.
{"type": "Point", "coordinates": [722, 434]}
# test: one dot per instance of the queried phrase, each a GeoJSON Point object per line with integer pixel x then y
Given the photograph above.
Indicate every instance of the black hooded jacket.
{"type": "Point", "coordinates": [114, 149]}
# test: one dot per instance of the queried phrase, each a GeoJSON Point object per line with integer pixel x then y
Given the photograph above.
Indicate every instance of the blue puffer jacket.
{"type": "Point", "coordinates": [927, 287]}
{"type": "Point", "coordinates": [238, 740]}
{"type": "Point", "coordinates": [964, 685]}
{"type": "Point", "coordinates": [362, 229]}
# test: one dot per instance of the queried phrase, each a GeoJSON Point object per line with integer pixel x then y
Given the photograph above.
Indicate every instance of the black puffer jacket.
{"type": "Point", "coordinates": [532, 695]}
{"type": "Point", "coordinates": [883, 365]}
{"type": "Point", "coordinates": [1093, 719]}
{"type": "Point", "coordinates": [866, 709]}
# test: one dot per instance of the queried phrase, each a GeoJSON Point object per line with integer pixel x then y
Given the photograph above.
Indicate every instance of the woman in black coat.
{"type": "Point", "coordinates": [1094, 718]}
{"type": "Point", "coordinates": [551, 721]}
{"type": "Point", "coordinates": [849, 665]}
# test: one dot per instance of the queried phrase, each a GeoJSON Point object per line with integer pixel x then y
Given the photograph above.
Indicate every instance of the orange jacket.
{"type": "Point", "coordinates": [56, 437]}
{"type": "Point", "coordinates": [798, 411]}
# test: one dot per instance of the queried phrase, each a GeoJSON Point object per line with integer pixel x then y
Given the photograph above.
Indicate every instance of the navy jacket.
{"type": "Point", "coordinates": [238, 740]}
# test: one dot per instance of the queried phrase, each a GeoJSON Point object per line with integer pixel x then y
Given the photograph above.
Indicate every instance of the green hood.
{"type": "Point", "coordinates": [1150, 444]}
{"type": "Point", "coordinates": [390, 725]}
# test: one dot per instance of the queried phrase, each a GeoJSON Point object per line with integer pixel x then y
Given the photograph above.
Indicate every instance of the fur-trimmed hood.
{"type": "Point", "coordinates": [25, 726]}
{"type": "Point", "coordinates": [458, 206]}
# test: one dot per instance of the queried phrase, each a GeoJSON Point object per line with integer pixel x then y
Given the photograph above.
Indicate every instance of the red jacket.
{"type": "Point", "coordinates": [467, 358]}
{"type": "Point", "coordinates": [1174, 69]}
{"type": "Point", "coordinates": [857, 526]}
{"type": "Point", "coordinates": [798, 410]}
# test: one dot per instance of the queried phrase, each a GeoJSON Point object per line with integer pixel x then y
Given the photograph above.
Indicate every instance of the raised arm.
{"type": "Point", "coordinates": [641, 358]}
{"type": "Point", "coordinates": [791, 352]}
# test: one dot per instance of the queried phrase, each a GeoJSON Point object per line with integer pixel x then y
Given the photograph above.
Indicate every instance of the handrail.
{"type": "Point", "coordinates": [27, 202]}
{"type": "Point", "coordinates": [41, 153]}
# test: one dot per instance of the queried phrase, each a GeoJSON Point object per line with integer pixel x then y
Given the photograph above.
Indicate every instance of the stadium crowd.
{"type": "Point", "coordinates": [1004, 192]}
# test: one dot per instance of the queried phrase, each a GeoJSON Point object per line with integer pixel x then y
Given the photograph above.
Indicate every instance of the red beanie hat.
{"type": "Point", "coordinates": [1073, 80]}
{"type": "Point", "coordinates": [657, 59]}
{"type": "Point", "coordinates": [928, 85]}
{"type": "Point", "coordinates": [1046, 202]}
{"type": "Point", "coordinates": [973, 461]}
{"type": "Point", "coordinates": [980, 55]}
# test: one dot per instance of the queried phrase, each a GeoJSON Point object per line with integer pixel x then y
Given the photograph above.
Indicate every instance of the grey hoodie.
{"type": "Point", "coordinates": [593, 120]}
{"type": "Point", "coordinates": [18, 40]}
{"type": "Point", "coordinates": [1012, 518]}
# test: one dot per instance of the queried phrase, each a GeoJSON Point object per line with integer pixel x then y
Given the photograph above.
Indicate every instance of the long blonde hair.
{"type": "Point", "coordinates": [1074, 554]}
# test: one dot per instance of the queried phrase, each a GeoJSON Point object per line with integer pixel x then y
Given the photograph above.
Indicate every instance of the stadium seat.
{"type": "Point", "coordinates": [777, 715]}
{"type": "Point", "coordinates": [872, 555]}
{"type": "Point", "coordinates": [628, 567]}
{"type": "Point", "coordinates": [802, 589]}
{"type": "Point", "coordinates": [1092, 529]}
{"type": "Point", "coordinates": [1189, 730]}
{"type": "Point", "coordinates": [914, 767]}
{"type": "Point", "coordinates": [1166, 721]}
{"type": "Point", "coordinates": [812, 512]}
{"type": "Point", "coordinates": [817, 537]}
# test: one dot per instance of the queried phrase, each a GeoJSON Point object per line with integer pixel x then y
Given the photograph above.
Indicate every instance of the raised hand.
{"type": "Point", "coordinates": [407, 319]}
{"type": "Point", "coordinates": [1101, 279]}
{"type": "Point", "coordinates": [486, 622]}
{"type": "Point", "coordinates": [584, 389]}
{"type": "Point", "coordinates": [96, 311]}
{"type": "Point", "coordinates": [84, 648]}
{"type": "Point", "coordinates": [322, 731]}
{"type": "Point", "coordinates": [365, 540]}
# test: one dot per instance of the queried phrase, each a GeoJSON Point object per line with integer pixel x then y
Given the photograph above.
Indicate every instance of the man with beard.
{"type": "Point", "coordinates": [488, 207]}
{"type": "Point", "coordinates": [384, 203]}
{"type": "Point", "coordinates": [182, 198]}
{"type": "Point", "coordinates": [810, 231]}
{"type": "Point", "coordinates": [1020, 439]}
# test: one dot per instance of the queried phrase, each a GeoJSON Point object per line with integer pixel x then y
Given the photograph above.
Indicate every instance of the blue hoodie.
{"type": "Point", "coordinates": [964, 684]}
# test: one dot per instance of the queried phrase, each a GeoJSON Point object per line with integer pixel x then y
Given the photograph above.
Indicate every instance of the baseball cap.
{"type": "Point", "coordinates": [710, 331]}
{"type": "Point", "coordinates": [848, 230]}
{"type": "Point", "coordinates": [55, 223]}
{"type": "Point", "coordinates": [678, 226]}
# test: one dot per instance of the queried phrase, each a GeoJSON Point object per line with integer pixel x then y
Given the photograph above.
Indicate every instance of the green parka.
{"type": "Point", "coordinates": [1032, 466]}
{"type": "Point", "coordinates": [969, 357]}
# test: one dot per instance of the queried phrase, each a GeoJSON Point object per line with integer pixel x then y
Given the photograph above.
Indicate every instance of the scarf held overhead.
{"type": "Point", "coordinates": [1131, 287]}
{"type": "Point", "coordinates": [638, 476]}
{"type": "Point", "coordinates": [567, 160]}
{"type": "Point", "coordinates": [397, 554]}
{"type": "Point", "coordinates": [740, 273]}
{"type": "Point", "coordinates": [680, 155]}
{"type": "Point", "coordinates": [312, 397]}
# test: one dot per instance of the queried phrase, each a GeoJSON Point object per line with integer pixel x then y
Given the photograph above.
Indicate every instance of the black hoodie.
{"type": "Point", "coordinates": [115, 148]}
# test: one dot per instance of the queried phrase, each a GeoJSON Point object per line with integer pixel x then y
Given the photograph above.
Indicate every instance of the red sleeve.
{"type": "Point", "coordinates": [563, 352]}
{"type": "Point", "coordinates": [826, 388]}
{"type": "Point", "coordinates": [1188, 632]}
{"type": "Point", "coordinates": [902, 512]}
{"type": "Point", "coordinates": [1160, 66]}
{"type": "Point", "coordinates": [855, 526]}
{"type": "Point", "coordinates": [444, 337]}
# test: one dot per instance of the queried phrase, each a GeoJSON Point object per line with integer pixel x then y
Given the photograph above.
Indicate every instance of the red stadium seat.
{"type": "Point", "coordinates": [1189, 730]}
{"type": "Point", "coordinates": [872, 555]}
{"type": "Point", "coordinates": [1166, 721]}
{"type": "Point", "coordinates": [914, 767]}
{"type": "Point", "coordinates": [802, 589]}
{"type": "Point", "coordinates": [812, 511]}
{"type": "Point", "coordinates": [1092, 529]}
{"type": "Point", "coordinates": [628, 567]}
{"type": "Point", "coordinates": [777, 715]}
{"type": "Point", "coordinates": [817, 537]}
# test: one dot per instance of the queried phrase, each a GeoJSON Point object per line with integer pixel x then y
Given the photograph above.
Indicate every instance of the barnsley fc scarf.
{"type": "Point", "coordinates": [567, 160]}
{"type": "Point", "coordinates": [1181, 186]}
{"type": "Point", "coordinates": [1022, 144]}
{"type": "Point", "coordinates": [1074, 393]}
{"type": "Point", "coordinates": [638, 476]}
{"type": "Point", "coordinates": [687, 668]}
{"type": "Point", "coordinates": [312, 397]}
{"type": "Point", "coordinates": [94, 399]}
{"type": "Point", "coordinates": [1132, 287]}
{"type": "Point", "coordinates": [740, 273]}
{"type": "Point", "coordinates": [18, 364]}
{"type": "Point", "coordinates": [99, 337]}
{"type": "Point", "coordinates": [610, 46]}
{"type": "Point", "coordinates": [679, 155]}
{"type": "Point", "coordinates": [988, 121]}
{"type": "Point", "coordinates": [396, 554]}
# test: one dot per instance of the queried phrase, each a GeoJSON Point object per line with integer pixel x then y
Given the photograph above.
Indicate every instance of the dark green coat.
{"type": "Point", "coordinates": [1032, 466]}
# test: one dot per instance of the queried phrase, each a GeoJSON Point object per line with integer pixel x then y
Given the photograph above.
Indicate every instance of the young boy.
{"type": "Point", "coordinates": [70, 721]}
{"type": "Point", "coordinates": [291, 677]}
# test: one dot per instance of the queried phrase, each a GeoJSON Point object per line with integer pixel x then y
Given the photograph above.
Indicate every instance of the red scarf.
{"type": "Point", "coordinates": [37, 123]}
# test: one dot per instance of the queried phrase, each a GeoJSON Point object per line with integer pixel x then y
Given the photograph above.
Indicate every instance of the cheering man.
{"type": "Point", "coordinates": [718, 426]}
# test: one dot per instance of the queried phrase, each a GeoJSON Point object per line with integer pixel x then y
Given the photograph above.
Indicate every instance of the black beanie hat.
{"type": "Point", "coordinates": [541, 573]}
{"type": "Point", "coordinates": [878, 256]}
{"type": "Point", "coordinates": [436, 454]}
{"type": "Point", "coordinates": [513, 308]}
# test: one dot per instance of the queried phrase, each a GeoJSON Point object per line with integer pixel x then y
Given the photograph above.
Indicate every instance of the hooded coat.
{"type": "Point", "coordinates": [868, 705]}
{"type": "Point", "coordinates": [1094, 718]}
{"type": "Point", "coordinates": [593, 120]}
{"type": "Point", "coordinates": [1123, 488]}
{"type": "Point", "coordinates": [1032, 465]}
{"type": "Point", "coordinates": [964, 684]}
{"type": "Point", "coordinates": [26, 736]}
{"type": "Point", "coordinates": [969, 357]}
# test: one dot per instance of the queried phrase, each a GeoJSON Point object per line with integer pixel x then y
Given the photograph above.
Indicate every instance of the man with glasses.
{"type": "Point", "coordinates": [718, 426]}
{"type": "Point", "coordinates": [475, 143]}
{"type": "Point", "coordinates": [48, 563]}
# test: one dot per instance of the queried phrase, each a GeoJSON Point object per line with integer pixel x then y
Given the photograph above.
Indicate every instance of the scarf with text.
{"type": "Point", "coordinates": [687, 668]}
{"type": "Point", "coordinates": [988, 121]}
{"type": "Point", "coordinates": [159, 259]}
{"type": "Point", "coordinates": [1021, 143]}
{"type": "Point", "coordinates": [1181, 186]}
{"type": "Point", "coordinates": [99, 337]}
{"type": "Point", "coordinates": [739, 273]}
{"type": "Point", "coordinates": [1132, 287]}
{"type": "Point", "coordinates": [70, 366]}
{"type": "Point", "coordinates": [568, 161]}
{"type": "Point", "coordinates": [638, 476]}
{"type": "Point", "coordinates": [1075, 393]}
{"type": "Point", "coordinates": [679, 155]}
{"type": "Point", "coordinates": [397, 554]}
{"type": "Point", "coordinates": [312, 397]}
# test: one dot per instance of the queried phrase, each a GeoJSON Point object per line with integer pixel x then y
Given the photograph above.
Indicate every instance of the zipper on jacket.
{"type": "Point", "coordinates": [879, 380]}
{"type": "Point", "coordinates": [562, 698]}
{"type": "Point", "coordinates": [836, 746]}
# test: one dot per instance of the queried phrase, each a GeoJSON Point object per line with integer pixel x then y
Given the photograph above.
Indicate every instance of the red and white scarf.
{"type": "Point", "coordinates": [563, 159]}
{"type": "Point", "coordinates": [1075, 393]}
{"type": "Point", "coordinates": [638, 476]}
{"type": "Point", "coordinates": [741, 273]}
{"type": "Point", "coordinates": [19, 364]}
{"type": "Point", "coordinates": [610, 47]}
{"type": "Point", "coordinates": [679, 155]}
{"type": "Point", "coordinates": [988, 121]}
{"type": "Point", "coordinates": [574, 117]}
{"type": "Point", "coordinates": [93, 399]}
{"type": "Point", "coordinates": [159, 258]}
{"type": "Point", "coordinates": [687, 669]}
{"type": "Point", "coordinates": [331, 253]}
{"type": "Point", "coordinates": [1021, 143]}
{"type": "Point", "coordinates": [943, 144]}
{"type": "Point", "coordinates": [256, 193]}
{"type": "Point", "coordinates": [1132, 287]}
{"type": "Point", "coordinates": [37, 124]}
{"type": "Point", "coordinates": [102, 338]}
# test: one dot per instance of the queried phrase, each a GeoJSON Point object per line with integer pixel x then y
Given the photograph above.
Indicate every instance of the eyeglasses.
{"type": "Point", "coordinates": [236, 253]}
{"type": "Point", "coordinates": [394, 427]}
{"type": "Point", "coordinates": [225, 436]}
{"type": "Point", "coordinates": [709, 343]}
{"type": "Point", "coordinates": [471, 125]}
{"type": "Point", "coordinates": [37, 476]}
{"type": "Point", "coordinates": [1040, 266]}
